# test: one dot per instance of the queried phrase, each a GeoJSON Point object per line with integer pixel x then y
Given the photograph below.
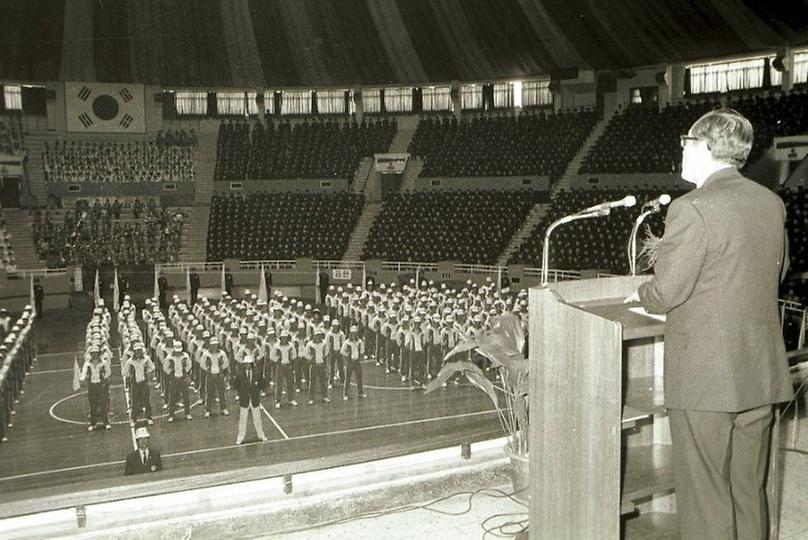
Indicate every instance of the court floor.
{"type": "Point", "coordinates": [50, 452]}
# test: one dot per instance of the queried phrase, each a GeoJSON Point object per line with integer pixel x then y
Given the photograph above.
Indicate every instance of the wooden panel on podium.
{"type": "Point", "coordinates": [598, 441]}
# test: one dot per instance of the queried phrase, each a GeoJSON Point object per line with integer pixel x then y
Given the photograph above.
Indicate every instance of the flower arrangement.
{"type": "Point", "coordinates": [504, 346]}
{"type": "Point", "coordinates": [648, 253]}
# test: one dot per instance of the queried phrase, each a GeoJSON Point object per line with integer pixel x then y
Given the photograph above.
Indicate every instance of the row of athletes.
{"type": "Point", "coordinates": [17, 357]}
{"type": "Point", "coordinates": [428, 320]}
{"type": "Point", "coordinates": [203, 343]}
{"type": "Point", "coordinates": [96, 370]}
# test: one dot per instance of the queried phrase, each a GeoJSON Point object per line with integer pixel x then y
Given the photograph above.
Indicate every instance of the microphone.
{"type": "Point", "coordinates": [659, 202]}
{"type": "Point", "coordinates": [626, 202]}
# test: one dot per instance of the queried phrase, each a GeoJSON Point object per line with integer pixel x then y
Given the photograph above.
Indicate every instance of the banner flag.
{"type": "Point", "coordinates": [105, 107]}
{"type": "Point", "coordinates": [76, 374]}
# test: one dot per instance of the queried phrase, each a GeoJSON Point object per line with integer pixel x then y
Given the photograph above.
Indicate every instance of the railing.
{"type": "Point", "coordinates": [479, 269]}
{"type": "Point", "coordinates": [174, 268]}
{"type": "Point", "coordinates": [341, 265]}
{"type": "Point", "coordinates": [268, 265]}
{"type": "Point", "coordinates": [36, 272]}
{"type": "Point", "coordinates": [387, 266]}
{"type": "Point", "coordinates": [409, 266]}
{"type": "Point", "coordinates": [554, 275]}
{"type": "Point", "coordinates": [793, 311]}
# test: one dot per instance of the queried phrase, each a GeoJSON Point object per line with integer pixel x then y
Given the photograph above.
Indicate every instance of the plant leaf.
{"type": "Point", "coordinates": [448, 369]}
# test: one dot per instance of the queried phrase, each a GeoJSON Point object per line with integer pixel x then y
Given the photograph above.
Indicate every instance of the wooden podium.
{"type": "Point", "coordinates": [600, 454]}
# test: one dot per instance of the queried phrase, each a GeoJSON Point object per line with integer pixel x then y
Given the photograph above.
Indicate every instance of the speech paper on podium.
{"type": "Point", "coordinates": [641, 311]}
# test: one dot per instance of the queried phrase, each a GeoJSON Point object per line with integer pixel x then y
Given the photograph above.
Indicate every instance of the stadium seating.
{"type": "Point", "coordinates": [590, 244]}
{"type": "Point", "coordinates": [310, 149]}
{"type": "Point", "coordinates": [535, 143]}
{"type": "Point", "coordinates": [178, 137]}
{"type": "Point", "coordinates": [12, 139]}
{"type": "Point", "coordinates": [284, 226]}
{"type": "Point", "coordinates": [464, 226]}
{"type": "Point", "coordinates": [645, 138]}
{"type": "Point", "coordinates": [7, 260]}
{"type": "Point", "coordinates": [796, 201]}
{"type": "Point", "coordinates": [93, 161]}
{"type": "Point", "coordinates": [102, 237]}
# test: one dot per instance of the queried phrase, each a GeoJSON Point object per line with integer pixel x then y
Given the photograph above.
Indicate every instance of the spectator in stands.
{"type": "Point", "coordinates": [99, 237]}
{"type": "Point", "coordinates": [320, 148]}
{"type": "Point", "coordinates": [282, 225]}
{"type": "Point", "coordinates": [465, 226]}
{"type": "Point", "coordinates": [531, 143]}
{"type": "Point", "coordinates": [117, 162]}
{"type": "Point", "coordinates": [591, 244]}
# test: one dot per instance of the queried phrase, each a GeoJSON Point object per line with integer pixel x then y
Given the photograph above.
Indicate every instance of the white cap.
{"type": "Point", "coordinates": [141, 433]}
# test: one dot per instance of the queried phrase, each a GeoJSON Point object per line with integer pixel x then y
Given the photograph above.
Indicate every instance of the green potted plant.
{"type": "Point", "coordinates": [504, 346]}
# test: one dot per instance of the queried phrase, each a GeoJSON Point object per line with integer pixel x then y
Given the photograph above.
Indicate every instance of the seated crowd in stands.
{"type": "Point", "coordinates": [117, 162]}
{"type": "Point", "coordinates": [796, 201]}
{"type": "Point", "coordinates": [592, 244]}
{"type": "Point", "coordinates": [464, 226]}
{"type": "Point", "coordinates": [12, 139]}
{"type": "Point", "coordinates": [96, 234]}
{"type": "Point", "coordinates": [264, 226]}
{"type": "Point", "coordinates": [645, 138]}
{"type": "Point", "coordinates": [7, 260]}
{"type": "Point", "coordinates": [532, 143]}
{"type": "Point", "coordinates": [179, 137]}
{"type": "Point", "coordinates": [310, 149]}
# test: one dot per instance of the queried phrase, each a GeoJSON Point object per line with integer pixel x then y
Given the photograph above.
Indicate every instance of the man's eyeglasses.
{"type": "Point", "coordinates": [684, 138]}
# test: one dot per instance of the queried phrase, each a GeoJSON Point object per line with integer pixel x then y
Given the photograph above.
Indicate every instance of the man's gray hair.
{"type": "Point", "coordinates": [729, 135]}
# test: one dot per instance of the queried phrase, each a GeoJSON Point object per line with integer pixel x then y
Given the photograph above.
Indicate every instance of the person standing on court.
{"type": "Point", "coordinates": [98, 372]}
{"type": "Point", "coordinates": [145, 459]}
{"type": "Point", "coordinates": [193, 279]}
{"type": "Point", "coordinates": [316, 351]}
{"type": "Point", "coordinates": [136, 370]}
{"type": "Point", "coordinates": [178, 367]}
{"type": "Point", "coordinates": [717, 272]}
{"type": "Point", "coordinates": [215, 364]}
{"type": "Point", "coordinates": [162, 289]}
{"type": "Point", "coordinates": [39, 297]}
{"type": "Point", "coordinates": [353, 349]}
{"type": "Point", "coordinates": [248, 386]}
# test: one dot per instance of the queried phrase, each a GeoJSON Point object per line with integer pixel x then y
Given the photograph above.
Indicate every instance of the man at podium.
{"type": "Point", "coordinates": [716, 276]}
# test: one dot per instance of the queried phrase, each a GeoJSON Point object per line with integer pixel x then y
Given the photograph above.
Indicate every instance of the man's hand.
{"type": "Point", "coordinates": [633, 297]}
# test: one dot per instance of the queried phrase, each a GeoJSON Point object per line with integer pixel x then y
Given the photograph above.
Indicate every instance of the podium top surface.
{"type": "Point", "coordinates": [635, 325]}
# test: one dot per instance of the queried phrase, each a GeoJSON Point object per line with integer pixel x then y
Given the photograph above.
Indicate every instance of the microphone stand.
{"type": "Point", "coordinates": [545, 255]}
{"type": "Point", "coordinates": [632, 241]}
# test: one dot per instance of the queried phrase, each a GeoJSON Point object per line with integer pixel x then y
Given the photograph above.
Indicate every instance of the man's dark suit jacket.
{"type": "Point", "coordinates": [717, 276]}
{"type": "Point", "coordinates": [249, 393]}
{"type": "Point", "coordinates": [135, 466]}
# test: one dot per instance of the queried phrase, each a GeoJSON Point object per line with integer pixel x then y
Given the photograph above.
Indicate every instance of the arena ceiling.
{"type": "Point", "coordinates": [354, 42]}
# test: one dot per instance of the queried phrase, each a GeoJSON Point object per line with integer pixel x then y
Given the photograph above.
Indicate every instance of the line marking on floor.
{"type": "Point", "coordinates": [59, 353]}
{"type": "Point", "coordinates": [117, 422]}
{"type": "Point", "coordinates": [228, 447]}
{"type": "Point", "coordinates": [277, 425]}
{"type": "Point", "coordinates": [43, 372]}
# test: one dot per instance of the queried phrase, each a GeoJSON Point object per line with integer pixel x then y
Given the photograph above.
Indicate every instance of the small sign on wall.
{"type": "Point", "coordinates": [341, 274]}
